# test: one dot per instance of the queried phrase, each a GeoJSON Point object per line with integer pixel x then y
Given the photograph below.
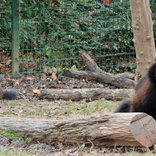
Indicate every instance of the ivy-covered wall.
{"type": "Point", "coordinates": [53, 31]}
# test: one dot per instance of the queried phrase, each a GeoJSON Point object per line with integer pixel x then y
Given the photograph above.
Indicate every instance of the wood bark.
{"type": "Point", "coordinates": [92, 66]}
{"type": "Point", "coordinates": [102, 76]}
{"type": "Point", "coordinates": [127, 75]}
{"type": "Point", "coordinates": [119, 129]}
{"type": "Point", "coordinates": [143, 35]}
{"type": "Point", "coordinates": [86, 93]}
{"type": "Point", "coordinates": [95, 73]}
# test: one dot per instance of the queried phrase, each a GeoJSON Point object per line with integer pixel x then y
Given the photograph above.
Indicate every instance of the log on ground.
{"type": "Point", "coordinates": [86, 93]}
{"type": "Point", "coordinates": [102, 76]}
{"type": "Point", "coordinates": [119, 129]}
{"type": "Point", "coordinates": [97, 74]}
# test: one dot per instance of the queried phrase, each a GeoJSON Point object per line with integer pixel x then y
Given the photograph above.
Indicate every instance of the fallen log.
{"type": "Point", "coordinates": [103, 77]}
{"type": "Point", "coordinates": [95, 73]}
{"type": "Point", "coordinates": [119, 129]}
{"type": "Point", "coordinates": [92, 66]}
{"type": "Point", "coordinates": [86, 93]}
{"type": "Point", "coordinates": [127, 75]}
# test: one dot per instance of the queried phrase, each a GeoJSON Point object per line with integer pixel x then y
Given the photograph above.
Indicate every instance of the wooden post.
{"type": "Point", "coordinates": [15, 39]}
{"type": "Point", "coordinates": [143, 35]}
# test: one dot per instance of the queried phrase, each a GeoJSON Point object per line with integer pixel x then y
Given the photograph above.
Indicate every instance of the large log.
{"type": "Point", "coordinates": [119, 129]}
{"type": "Point", "coordinates": [95, 73]}
{"type": "Point", "coordinates": [86, 93]}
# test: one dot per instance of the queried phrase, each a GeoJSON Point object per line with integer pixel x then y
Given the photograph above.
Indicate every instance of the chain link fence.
{"type": "Point", "coordinates": [52, 32]}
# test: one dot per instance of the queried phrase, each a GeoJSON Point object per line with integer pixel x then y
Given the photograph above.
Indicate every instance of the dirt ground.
{"type": "Point", "coordinates": [29, 106]}
{"type": "Point", "coordinates": [54, 110]}
{"type": "Point", "coordinates": [60, 110]}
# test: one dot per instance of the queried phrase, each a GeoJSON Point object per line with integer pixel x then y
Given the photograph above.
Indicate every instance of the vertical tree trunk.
{"type": "Point", "coordinates": [143, 35]}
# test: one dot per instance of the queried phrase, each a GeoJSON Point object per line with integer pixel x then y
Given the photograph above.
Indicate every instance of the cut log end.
{"type": "Point", "coordinates": [144, 130]}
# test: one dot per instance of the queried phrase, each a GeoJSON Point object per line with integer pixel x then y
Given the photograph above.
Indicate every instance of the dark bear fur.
{"type": "Point", "coordinates": [144, 99]}
{"type": "Point", "coordinates": [9, 95]}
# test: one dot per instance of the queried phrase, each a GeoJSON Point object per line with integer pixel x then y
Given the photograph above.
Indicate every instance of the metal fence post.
{"type": "Point", "coordinates": [15, 39]}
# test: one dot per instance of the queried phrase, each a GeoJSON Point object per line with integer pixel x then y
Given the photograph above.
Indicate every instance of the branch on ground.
{"type": "Point", "coordinates": [97, 74]}
{"type": "Point", "coordinates": [85, 93]}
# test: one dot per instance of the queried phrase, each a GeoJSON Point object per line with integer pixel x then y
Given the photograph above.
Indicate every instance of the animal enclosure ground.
{"type": "Point", "coordinates": [55, 110]}
{"type": "Point", "coordinates": [29, 106]}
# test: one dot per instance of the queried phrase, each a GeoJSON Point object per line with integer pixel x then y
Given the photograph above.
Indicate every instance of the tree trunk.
{"type": "Point", "coordinates": [143, 35]}
{"type": "Point", "coordinates": [119, 129]}
{"type": "Point", "coordinates": [85, 93]}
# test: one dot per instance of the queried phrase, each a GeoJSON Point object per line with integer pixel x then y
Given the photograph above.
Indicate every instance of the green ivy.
{"type": "Point", "coordinates": [53, 32]}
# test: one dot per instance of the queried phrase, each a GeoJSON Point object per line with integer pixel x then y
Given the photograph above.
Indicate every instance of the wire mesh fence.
{"type": "Point", "coordinates": [51, 33]}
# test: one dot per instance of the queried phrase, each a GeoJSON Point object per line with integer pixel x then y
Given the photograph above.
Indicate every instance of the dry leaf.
{"type": "Point", "coordinates": [106, 1]}
{"type": "Point", "coordinates": [54, 76]}
{"type": "Point", "coordinates": [36, 91]}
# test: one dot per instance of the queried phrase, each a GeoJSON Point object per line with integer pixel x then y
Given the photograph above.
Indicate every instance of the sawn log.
{"type": "Point", "coordinates": [119, 129]}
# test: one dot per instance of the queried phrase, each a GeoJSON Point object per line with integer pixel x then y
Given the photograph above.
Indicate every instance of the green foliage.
{"type": "Point", "coordinates": [14, 152]}
{"type": "Point", "coordinates": [91, 108]}
{"type": "Point", "coordinates": [34, 147]}
{"type": "Point", "coordinates": [8, 133]}
{"type": "Point", "coordinates": [52, 33]}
